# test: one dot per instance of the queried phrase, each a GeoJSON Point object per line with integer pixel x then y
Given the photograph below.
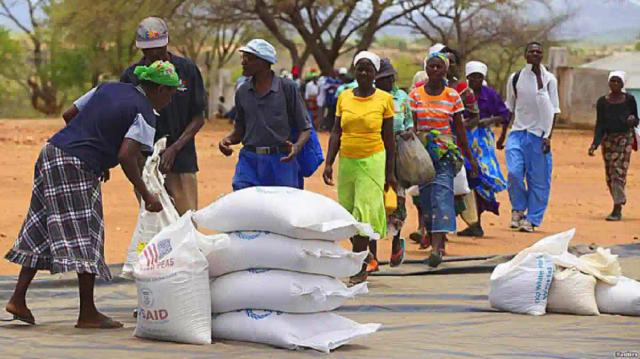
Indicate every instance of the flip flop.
{"type": "Point", "coordinates": [107, 324]}
{"type": "Point", "coordinates": [398, 258]}
{"type": "Point", "coordinates": [29, 320]}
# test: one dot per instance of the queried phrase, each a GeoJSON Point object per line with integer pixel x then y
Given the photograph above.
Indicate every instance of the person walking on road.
{"type": "Point", "coordinates": [532, 98]}
{"type": "Point", "coordinates": [617, 115]}
{"type": "Point", "coordinates": [269, 109]}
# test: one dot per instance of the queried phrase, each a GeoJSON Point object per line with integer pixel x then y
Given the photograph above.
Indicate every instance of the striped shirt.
{"type": "Point", "coordinates": [435, 112]}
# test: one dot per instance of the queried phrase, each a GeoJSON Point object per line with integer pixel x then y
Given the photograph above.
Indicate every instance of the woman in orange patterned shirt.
{"type": "Point", "coordinates": [438, 121]}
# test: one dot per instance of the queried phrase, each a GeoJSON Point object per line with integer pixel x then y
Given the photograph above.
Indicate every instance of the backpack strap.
{"type": "Point", "coordinates": [514, 83]}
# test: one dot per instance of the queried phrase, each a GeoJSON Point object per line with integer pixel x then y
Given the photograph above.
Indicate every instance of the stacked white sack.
{"type": "Point", "coordinates": [149, 223]}
{"type": "Point", "coordinates": [277, 279]}
{"type": "Point", "coordinates": [586, 285]}
{"type": "Point", "coordinates": [172, 277]}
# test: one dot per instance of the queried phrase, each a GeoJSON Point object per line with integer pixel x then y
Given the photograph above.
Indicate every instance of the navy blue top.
{"type": "Point", "coordinates": [188, 102]}
{"type": "Point", "coordinates": [112, 112]}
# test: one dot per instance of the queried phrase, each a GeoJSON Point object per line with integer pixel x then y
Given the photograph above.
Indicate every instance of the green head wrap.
{"type": "Point", "coordinates": [159, 72]}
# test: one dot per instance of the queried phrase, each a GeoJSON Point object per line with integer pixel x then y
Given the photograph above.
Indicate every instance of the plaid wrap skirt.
{"type": "Point", "coordinates": [64, 227]}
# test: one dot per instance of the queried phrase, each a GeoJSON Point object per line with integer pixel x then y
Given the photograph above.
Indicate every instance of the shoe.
{"type": "Point", "coordinates": [359, 278]}
{"type": "Point", "coordinates": [416, 236]}
{"type": "Point", "coordinates": [398, 258]}
{"type": "Point", "coordinates": [526, 226]}
{"type": "Point", "coordinates": [373, 266]}
{"type": "Point", "coordinates": [516, 217]}
{"type": "Point", "coordinates": [425, 242]}
{"type": "Point", "coordinates": [474, 230]}
{"type": "Point", "coordinates": [434, 259]}
{"type": "Point", "coordinates": [614, 217]}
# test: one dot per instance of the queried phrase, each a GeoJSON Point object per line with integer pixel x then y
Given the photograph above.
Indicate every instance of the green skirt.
{"type": "Point", "coordinates": [361, 189]}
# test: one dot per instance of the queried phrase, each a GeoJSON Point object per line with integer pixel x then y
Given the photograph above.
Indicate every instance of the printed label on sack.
{"type": "Point", "coordinates": [145, 312]}
{"type": "Point", "coordinates": [257, 270]}
{"type": "Point", "coordinates": [260, 314]}
{"type": "Point", "coordinates": [250, 235]}
{"type": "Point", "coordinates": [154, 254]}
{"type": "Point", "coordinates": [543, 283]}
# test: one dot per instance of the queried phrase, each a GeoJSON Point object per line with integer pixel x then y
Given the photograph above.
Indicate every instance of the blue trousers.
{"type": "Point", "coordinates": [526, 162]}
{"type": "Point", "coordinates": [436, 199]}
{"type": "Point", "coordinates": [253, 170]}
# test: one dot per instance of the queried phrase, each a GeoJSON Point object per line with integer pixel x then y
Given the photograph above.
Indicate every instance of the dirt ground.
{"type": "Point", "coordinates": [579, 197]}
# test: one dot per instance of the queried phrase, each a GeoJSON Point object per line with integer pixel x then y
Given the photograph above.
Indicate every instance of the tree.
{"type": "Point", "coordinates": [327, 28]}
{"type": "Point", "coordinates": [39, 77]}
{"type": "Point", "coordinates": [497, 29]}
{"type": "Point", "coordinates": [108, 41]}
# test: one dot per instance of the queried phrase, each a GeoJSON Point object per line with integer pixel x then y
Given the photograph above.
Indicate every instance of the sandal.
{"type": "Point", "coordinates": [416, 237]}
{"type": "Point", "coordinates": [372, 266]}
{"type": "Point", "coordinates": [398, 258]}
{"type": "Point", "coordinates": [359, 278]}
{"type": "Point", "coordinates": [29, 320]}
{"type": "Point", "coordinates": [425, 242]}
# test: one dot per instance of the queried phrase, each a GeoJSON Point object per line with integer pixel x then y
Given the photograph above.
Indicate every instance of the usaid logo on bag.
{"type": "Point", "coordinates": [250, 235]}
{"type": "Point", "coordinates": [146, 297]}
{"type": "Point", "coordinates": [260, 314]}
{"type": "Point", "coordinates": [257, 270]}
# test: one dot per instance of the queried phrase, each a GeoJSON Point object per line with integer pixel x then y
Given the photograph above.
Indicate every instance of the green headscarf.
{"type": "Point", "coordinates": [159, 72]}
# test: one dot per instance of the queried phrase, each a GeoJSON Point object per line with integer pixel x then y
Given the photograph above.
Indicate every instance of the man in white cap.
{"type": "Point", "coordinates": [532, 98]}
{"type": "Point", "coordinates": [181, 120]}
{"type": "Point", "coordinates": [271, 123]}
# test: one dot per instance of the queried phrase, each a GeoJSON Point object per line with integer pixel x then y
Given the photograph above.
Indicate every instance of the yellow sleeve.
{"type": "Point", "coordinates": [388, 107]}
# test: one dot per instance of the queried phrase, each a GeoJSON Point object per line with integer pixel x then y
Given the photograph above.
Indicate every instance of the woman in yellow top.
{"type": "Point", "coordinates": [363, 134]}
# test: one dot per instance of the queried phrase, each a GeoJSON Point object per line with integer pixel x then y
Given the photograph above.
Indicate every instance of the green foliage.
{"type": "Point", "coordinates": [407, 66]}
{"type": "Point", "coordinates": [11, 56]}
{"type": "Point", "coordinates": [637, 47]}
{"type": "Point", "coordinates": [392, 42]}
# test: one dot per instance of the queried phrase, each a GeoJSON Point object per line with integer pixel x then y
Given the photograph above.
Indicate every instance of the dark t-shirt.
{"type": "Point", "coordinates": [612, 117]}
{"type": "Point", "coordinates": [188, 101]}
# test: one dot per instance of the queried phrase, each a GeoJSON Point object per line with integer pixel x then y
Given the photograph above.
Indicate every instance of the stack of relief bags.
{"type": "Point", "coordinates": [546, 277]}
{"type": "Point", "coordinates": [279, 276]}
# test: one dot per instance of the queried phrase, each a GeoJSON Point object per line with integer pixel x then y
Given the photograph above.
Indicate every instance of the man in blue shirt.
{"type": "Point", "coordinates": [64, 228]}
{"type": "Point", "coordinates": [268, 110]}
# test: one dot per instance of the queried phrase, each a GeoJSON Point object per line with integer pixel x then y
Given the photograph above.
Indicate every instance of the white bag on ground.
{"type": "Point", "coordinates": [621, 298]}
{"type": "Point", "coordinates": [283, 210]}
{"type": "Point", "coordinates": [572, 292]}
{"type": "Point", "coordinates": [460, 184]}
{"type": "Point", "coordinates": [174, 302]}
{"type": "Point", "coordinates": [603, 265]}
{"type": "Point", "coordinates": [149, 223]}
{"type": "Point", "coordinates": [279, 290]}
{"type": "Point", "coordinates": [522, 285]}
{"type": "Point", "coordinates": [413, 163]}
{"type": "Point", "coordinates": [319, 331]}
{"type": "Point", "coordinates": [248, 250]}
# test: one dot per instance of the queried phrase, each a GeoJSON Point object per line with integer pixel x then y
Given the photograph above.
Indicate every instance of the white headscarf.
{"type": "Point", "coordinates": [435, 48]}
{"type": "Point", "coordinates": [375, 59]}
{"type": "Point", "coordinates": [476, 66]}
{"type": "Point", "coordinates": [620, 74]}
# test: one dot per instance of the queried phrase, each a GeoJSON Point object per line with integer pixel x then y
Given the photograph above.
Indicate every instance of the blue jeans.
{"type": "Point", "coordinates": [527, 162]}
{"type": "Point", "coordinates": [265, 170]}
{"type": "Point", "coordinates": [436, 199]}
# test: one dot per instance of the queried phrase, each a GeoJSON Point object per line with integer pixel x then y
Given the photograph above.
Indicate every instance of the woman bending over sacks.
{"type": "Point", "coordinates": [112, 124]}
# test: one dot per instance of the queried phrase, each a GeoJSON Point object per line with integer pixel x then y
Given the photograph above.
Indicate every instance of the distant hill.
{"type": "Point", "coordinates": [602, 21]}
